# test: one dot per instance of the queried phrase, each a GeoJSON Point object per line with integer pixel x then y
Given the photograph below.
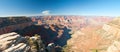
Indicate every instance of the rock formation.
{"type": "Point", "coordinates": [13, 42]}
{"type": "Point", "coordinates": [111, 33]}
{"type": "Point", "coordinates": [114, 47]}
{"type": "Point", "coordinates": [54, 31]}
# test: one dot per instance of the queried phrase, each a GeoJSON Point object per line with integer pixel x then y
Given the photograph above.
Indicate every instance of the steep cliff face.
{"type": "Point", "coordinates": [111, 33]}
{"type": "Point", "coordinates": [9, 24]}
{"type": "Point", "coordinates": [111, 30]}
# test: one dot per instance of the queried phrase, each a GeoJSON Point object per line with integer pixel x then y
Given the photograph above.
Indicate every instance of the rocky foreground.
{"type": "Point", "coordinates": [13, 42]}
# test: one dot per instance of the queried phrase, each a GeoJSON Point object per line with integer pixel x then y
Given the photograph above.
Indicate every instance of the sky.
{"type": "Point", "coordinates": [60, 7]}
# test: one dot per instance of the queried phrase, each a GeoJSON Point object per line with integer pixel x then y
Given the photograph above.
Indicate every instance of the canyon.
{"type": "Point", "coordinates": [67, 33]}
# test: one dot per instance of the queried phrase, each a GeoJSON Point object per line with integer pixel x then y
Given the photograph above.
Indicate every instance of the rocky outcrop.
{"type": "Point", "coordinates": [114, 47]}
{"type": "Point", "coordinates": [111, 33]}
{"type": "Point", "coordinates": [13, 42]}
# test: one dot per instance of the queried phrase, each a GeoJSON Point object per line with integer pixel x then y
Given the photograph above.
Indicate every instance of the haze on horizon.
{"type": "Point", "coordinates": [59, 7]}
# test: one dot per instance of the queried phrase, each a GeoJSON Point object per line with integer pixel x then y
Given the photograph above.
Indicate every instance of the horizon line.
{"type": "Point", "coordinates": [55, 15]}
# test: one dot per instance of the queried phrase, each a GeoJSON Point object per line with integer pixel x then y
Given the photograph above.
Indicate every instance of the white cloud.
{"type": "Point", "coordinates": [46, 12]}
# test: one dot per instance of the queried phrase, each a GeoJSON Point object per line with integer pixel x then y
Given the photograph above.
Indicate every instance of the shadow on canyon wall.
{"type": "Point", "coordinates": [48, 34]}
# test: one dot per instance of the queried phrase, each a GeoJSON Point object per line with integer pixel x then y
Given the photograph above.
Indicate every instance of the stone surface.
{"type": "Point", "coordinates": [12, 42]}
{"type": "Point", "coordinates": [115, 47]}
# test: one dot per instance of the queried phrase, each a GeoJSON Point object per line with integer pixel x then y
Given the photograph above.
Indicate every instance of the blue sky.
{"type": "Point", "coordinates": [60, 7]}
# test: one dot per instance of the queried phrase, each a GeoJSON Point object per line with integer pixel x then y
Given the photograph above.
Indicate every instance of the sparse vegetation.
{"type": "Point", "coordinates": [94, 50]}
{"type": "Point", "coordinates": [66, 48]}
